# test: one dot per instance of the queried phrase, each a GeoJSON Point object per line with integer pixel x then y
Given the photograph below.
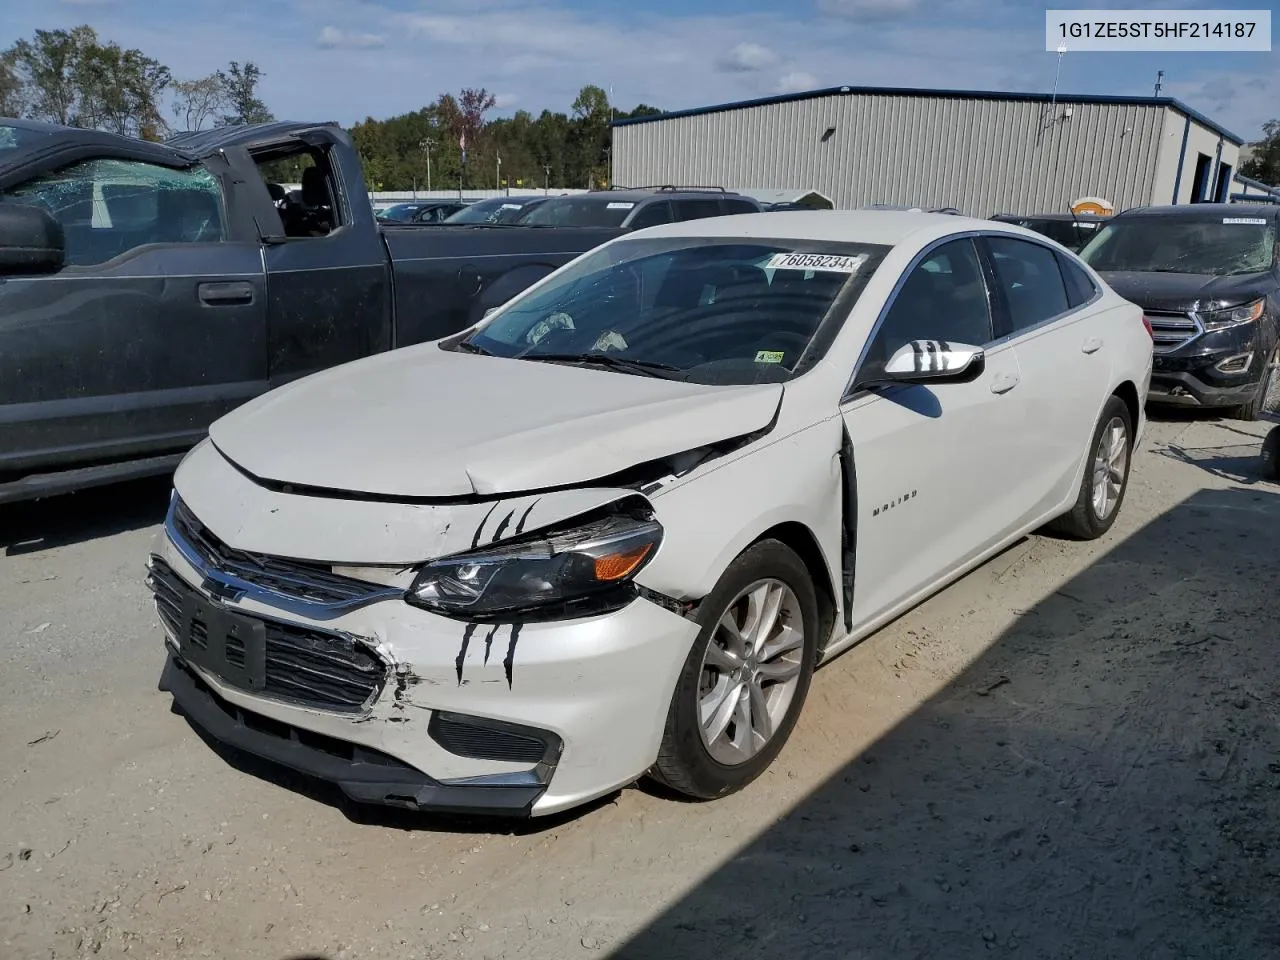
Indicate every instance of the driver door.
{"type": "Point", "coordinates": [933, 462]}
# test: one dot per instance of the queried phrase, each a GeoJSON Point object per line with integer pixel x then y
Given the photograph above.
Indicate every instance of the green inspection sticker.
{"type": "Point", "coordinates": [769, 356]}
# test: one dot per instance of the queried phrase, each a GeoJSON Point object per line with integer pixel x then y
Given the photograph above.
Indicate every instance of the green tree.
{"type": "Point", "coordinates": [48, 69]}
{"type": "Point", "coordinates": [240, 88]}
{"type": "Point", "coordinates": [1264, 162]}
{"type": "Point", "coordinates": [120, 90]}
{"type": "Point", "coordinates": [12, 99]}
{"type": "Point", "coordinates": [197, 101]}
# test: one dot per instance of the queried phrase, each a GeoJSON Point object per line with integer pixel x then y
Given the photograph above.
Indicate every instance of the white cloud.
{"type": "Point", "coordinates": [797, 81]}
{"type": "Point", "coordinates": [504, 100]}
{"type": "Point", "coordinates": [331, 38]}
{"type": "Point", "coordinates": [747, 58]}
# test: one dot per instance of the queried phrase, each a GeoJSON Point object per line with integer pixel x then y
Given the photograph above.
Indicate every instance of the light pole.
{"type": "Point", "coordinates": [546, 178]}
{"type": "Point", "coordinates": [425, 144]}
{"type": "Point", "coordinates": [497, 174]}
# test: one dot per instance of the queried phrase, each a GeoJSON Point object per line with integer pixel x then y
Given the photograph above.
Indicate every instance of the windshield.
{"type": "Point", "coordinates": [1072, 234]}
{"type": "Point", "coordinates": [495, 210]}
{"type": "Point", "coordinates": [1226, 246]}
{"type": "Point", "coordinates": [401, 211]}
{"type": "Point", "coordinates": [580, 212]}
{"type": "Point", "coordinates": [715, 311]}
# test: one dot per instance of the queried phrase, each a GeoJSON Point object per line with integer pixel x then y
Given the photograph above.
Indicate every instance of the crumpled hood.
{"type": "Point", "coordinates": [1180, 292]}
{"type": "Point", "coordinates": [425, 422]}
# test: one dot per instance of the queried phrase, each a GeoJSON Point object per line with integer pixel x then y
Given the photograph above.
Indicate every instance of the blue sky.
{"type": "Point", "coordinates": [347, 59]}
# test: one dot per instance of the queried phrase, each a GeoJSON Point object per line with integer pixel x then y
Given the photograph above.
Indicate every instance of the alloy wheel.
{"type": "Point", "coordinates": [1110, 466]}
{"type": "Point", "coordinates": [750, 671]}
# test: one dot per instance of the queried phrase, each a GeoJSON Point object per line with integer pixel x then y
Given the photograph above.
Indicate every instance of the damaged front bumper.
{"type": "Point", "coordinates": [400, 706]}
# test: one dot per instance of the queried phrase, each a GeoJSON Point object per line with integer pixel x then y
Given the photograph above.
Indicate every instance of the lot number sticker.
{"type": "Point", "coordinates": [1257, 220]}
{"type": "Point", "coordinates": [815, 261]}
{"type": "Point", "coordinates": [619, 206]}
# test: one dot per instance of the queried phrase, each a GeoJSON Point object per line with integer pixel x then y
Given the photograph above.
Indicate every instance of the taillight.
{"type": "Point", "coordinates": [1147, 323]}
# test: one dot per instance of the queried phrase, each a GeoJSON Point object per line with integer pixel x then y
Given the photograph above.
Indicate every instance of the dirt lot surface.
{"type": "Point", "coordinates": [1073, 752]}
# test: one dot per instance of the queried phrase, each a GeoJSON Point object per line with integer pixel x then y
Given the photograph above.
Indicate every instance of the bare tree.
{"type": "Point", "coordinates": [197, 101]}
{"type": "Point", "coordinates": [240, 87]}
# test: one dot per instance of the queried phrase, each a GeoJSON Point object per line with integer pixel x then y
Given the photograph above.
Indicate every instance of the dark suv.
{"type": "Point", "coordinates": [1072, 230]}
{"type": "Point", "coordinates": [1207, 275]}
{"type": "Point", "coordinates": [638, 207]}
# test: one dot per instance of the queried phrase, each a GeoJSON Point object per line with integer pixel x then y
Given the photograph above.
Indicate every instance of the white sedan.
{"type": "Point", "coordinates": [611, 530]}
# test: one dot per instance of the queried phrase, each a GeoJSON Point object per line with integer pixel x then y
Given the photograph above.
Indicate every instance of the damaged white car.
{"type": "Point", "coordinates": [612, 529]}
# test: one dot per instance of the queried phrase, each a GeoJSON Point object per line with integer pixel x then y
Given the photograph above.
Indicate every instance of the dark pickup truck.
{"type": "Point", "coordinates": [146, 289]}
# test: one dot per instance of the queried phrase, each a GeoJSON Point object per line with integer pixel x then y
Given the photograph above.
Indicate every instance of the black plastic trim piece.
{"type": "Point", "coordinates": [366, 777]}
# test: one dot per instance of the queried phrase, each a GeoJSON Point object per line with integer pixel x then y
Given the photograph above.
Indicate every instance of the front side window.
{"type": "Point", "coordinates": [109, 207]}
{"type": "Point", "coordinates": [1217, 247]}
{"type": "Point", "coordinates": [944, 298]}
{"type": "Point", "coordinates": [652, 215]}
{"type": "Point", "coordinates": [1030, 279]}
{"type": "Point", "coordinates": [706, 310]}
{"type": "Point", "coordinates": [696, 209]}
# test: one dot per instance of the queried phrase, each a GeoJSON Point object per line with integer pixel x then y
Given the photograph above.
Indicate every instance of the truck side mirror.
{"type": "Point", "coordinates": [31, 240]}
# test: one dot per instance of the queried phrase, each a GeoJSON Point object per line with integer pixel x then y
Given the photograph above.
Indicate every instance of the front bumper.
{"type": "Point", "coordinates": [593, 692]}
{"type": "Point", "coordinates": [1189, 375]}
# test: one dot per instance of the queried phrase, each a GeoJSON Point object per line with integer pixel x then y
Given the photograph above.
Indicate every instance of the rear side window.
{"type": "Point", "coordinates": [1030, 279]}
{"type": "Point", "coordinates": [1080, 286]}
{"type": "Point", "coordinates": [652, 215]}
{"type": "Point", "coordinates": [109, 207]}
{"type": "Point", "coordinates": [696, 209]}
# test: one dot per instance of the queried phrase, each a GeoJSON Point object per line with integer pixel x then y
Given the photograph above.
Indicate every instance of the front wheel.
{"type": "Point", "coordinates": [1106, 476]}
{"type": "Point", "coordinates": [746, 677]}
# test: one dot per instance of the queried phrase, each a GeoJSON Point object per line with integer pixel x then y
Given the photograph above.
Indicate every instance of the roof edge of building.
{"type": "Point", "coordinates": [1112, 99]}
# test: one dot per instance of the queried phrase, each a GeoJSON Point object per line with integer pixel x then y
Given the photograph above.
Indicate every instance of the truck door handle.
{"type": "Point", "coordinates": [1004, 382]}
{"type": "Point", "coordinates": [1092, 345]}
{"type": "Point", "coordinates": [225, 294]}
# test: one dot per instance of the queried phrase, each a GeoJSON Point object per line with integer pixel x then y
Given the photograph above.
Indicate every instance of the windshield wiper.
{"type": "Point", "coordinates": [466, 346]}
{"type": "Point", "coordinates": [647, 368]}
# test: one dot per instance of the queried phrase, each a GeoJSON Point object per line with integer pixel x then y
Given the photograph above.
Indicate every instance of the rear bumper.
{"type": "Point", "coordinates": [363, 774]}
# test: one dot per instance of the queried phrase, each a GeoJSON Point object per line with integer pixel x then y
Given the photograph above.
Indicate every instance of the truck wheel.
{"type": "Point", "coordinates": [1106, 477]}
{"type": "Point", "coordinates": [1267, 397]}
{"type": "Point", "coordinates": [746, 677]}
{"type": "Point", "coordinates": [1271, 455]}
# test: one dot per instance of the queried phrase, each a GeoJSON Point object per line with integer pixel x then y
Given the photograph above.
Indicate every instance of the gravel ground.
{"type": "Point", "coordinates": [1073, 752]}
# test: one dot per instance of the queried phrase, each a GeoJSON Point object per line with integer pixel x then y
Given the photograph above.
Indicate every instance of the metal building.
{"type": "Point", "coordinates": [981, 152]}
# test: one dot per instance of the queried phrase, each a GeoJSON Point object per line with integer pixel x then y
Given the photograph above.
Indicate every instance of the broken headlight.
{"type": "Point", "coordinates": [1232, 316]}
{"type": "Point", "coordinates": [567, 568]}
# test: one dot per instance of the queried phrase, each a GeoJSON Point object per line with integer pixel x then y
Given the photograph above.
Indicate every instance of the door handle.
{"type": "Point", "coordinates": [1004, 382]}
{"type": "Point", "coordinates": [1092, 345]}
{"type": "Point", "coordinates": [225, 294]}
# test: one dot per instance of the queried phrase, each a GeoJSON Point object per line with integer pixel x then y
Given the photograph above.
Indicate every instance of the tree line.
{"type": "Point", "coordinates": [75, 78]}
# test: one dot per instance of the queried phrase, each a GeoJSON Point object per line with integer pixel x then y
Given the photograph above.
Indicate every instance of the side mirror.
{"type": "Point", "coordinates": [31, 240]}
{"type": "Point", "coordinates": [934, 361]}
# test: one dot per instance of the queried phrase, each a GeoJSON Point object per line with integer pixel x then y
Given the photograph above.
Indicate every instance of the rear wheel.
{"type": "Point", "coordinates": [746, 677]}
{"type": "Point", "coordinates": [1266, 398]}
{"type": "Point", "coordinates": [1106, 476]}
{"type": "Point", "coordinates": [1271, 455]}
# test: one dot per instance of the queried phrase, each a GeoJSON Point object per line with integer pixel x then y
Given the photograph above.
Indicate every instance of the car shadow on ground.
{"type": "Point", "coordinates": [1103, 782]}
{"type": "Point", "coordinates": [320, 791]}
{"type": "Point", "coordinates": [36, 525]}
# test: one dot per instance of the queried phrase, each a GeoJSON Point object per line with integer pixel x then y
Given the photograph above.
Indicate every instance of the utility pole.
{"type": "Point", "coordinates": [546, 178]}
{"type": "Point", "coordinates": [1159, 77]}
{"type": "Point", "coordinates": [425, 145]}
{"type": "Point", "coordinates": [498, 173]}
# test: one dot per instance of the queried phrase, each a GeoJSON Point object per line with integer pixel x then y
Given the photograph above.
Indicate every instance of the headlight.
{"type": "Point", "coordinates": [1232, 316]}
{"type": "Point", "coordinates": [584, 568]}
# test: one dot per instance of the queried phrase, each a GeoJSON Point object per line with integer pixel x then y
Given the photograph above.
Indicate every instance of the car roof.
{"type": "Point", "coordinates": [638, 194]}
{"type": "Point", "coordinates": [1203, 211]}
{"type": "Point", "coordinates": [888, 227]}
{"type": "Point", "coordinates": [1072, 217]}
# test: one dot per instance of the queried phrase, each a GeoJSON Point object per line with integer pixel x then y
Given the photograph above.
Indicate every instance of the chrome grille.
{"type": "Point", "coordinates": [315, 668]}
{"type": "Point", "coordinates": [1169, 331]}
{"type": "Point", "coordinates": [310, 582]}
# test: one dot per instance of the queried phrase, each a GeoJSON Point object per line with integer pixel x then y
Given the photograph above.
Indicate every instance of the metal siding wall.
{"type": "Point", "coordinates": [982, 156]}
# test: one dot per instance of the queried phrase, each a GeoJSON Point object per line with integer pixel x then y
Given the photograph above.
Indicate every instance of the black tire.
{"type": "Point", "coordinates": [1266, 398]}
{"type": "Point", "coordinates": [1271, 455]}
{"type": "Point", "coordinates": [1082, 522]}
{"type": "Point", "coordinates": [684, 763]}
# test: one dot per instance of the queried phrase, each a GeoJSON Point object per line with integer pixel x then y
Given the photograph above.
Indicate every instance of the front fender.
{"type": "Point", "coordinates": [712, 516]}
